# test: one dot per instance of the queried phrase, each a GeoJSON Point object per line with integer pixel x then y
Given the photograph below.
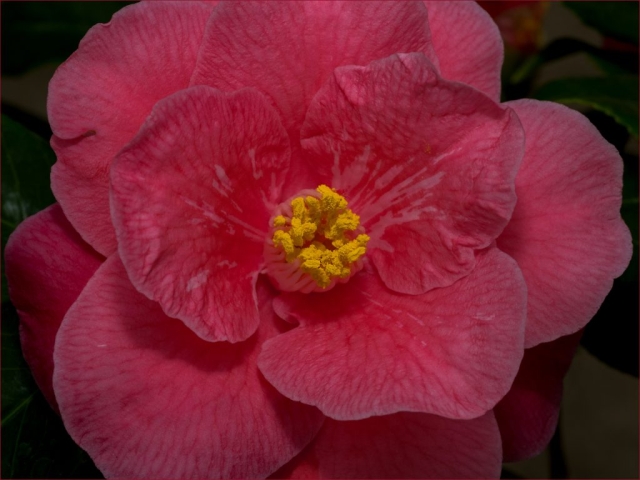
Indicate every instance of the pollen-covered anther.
{"type": "Point", "coordinates": [315, 242]}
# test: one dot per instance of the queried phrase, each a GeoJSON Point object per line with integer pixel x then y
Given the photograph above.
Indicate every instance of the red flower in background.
{"type": "Point", "coordinates": [520, 22]}
{"type": "Point", "coordinates": [217, 163]}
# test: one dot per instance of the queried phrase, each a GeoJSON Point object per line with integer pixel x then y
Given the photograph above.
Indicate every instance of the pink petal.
{"type": "Point", "coordinates": [528, 414]}
{"type": "Point", "coordinates": [468, 44]}
{"type": "Point", "coordinates": [287, 50]}
{"type": "Point", "coordinates": [304, 465]}
{"type": "Point", "coordinates": [566, 232]}
{"type": "Point", "coordinates": [191, 199]}
{"type": "Point", "coordinates": [146, 398]}
{"type": "Point", "coordinates": [47, 266]}
{"type": "Point", "coordinates": [404, 445]}
{"type": "Point", "coordinates": [100, 96]}
{"type": "Point", "coordinates": [363, 350]}
{"type": "Point", "coordinates": [428, 164]}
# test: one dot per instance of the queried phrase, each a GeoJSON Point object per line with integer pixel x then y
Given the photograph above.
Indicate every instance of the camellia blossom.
{"type": "Point", "coordinates": [305, 239]}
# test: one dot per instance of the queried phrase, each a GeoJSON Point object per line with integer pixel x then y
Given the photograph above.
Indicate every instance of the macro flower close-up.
{"type": "Point", "coordinates": [308, 240]}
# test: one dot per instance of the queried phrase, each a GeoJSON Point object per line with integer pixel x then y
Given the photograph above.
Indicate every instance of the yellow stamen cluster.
{"type": "Point", "coordinates": [320, 235]}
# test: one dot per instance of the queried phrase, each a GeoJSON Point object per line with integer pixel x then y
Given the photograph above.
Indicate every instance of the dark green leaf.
{"type": "Point", "coordinates": [32, 122]}
{"type": "Point", "coordinates": [26, 162]}
{"type": "Point", "coordinates": [629, 212]}
{"type": "Point", "coordinates": [18, 386]}
{"type": "Point", "coordinates": [617, 96]}
{"type": "Point", "coordinates": [557, 460]}
{"type": "Point", "coordinates": [612, 335]}
{"type": "Point", "coordinates": [613, 19]}
{"type": "Point", "coordinates": [612, 131]}
{"type": "Point", "coordinates": [34, 33]}
{"type": "Point", "coordinates": [34, 441]}
{"type": "Point", "coordinates": [611, 62]}
{"type": "Point", "coordinates": [506, 473]}
{"type": "Point", "coordinates": [618, 136]}
{"type": "Point", "coordinates": [615, 63]}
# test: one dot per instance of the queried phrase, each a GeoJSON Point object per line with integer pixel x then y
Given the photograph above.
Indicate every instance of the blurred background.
{"type": "Point", "coordinates": [582, 54]}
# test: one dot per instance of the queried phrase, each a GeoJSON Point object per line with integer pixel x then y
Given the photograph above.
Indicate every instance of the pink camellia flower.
{"type": "Point", "coordinates": [305, 240]}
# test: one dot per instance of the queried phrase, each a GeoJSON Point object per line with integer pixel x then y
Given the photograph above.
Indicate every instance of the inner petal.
{"type": "Point", "coordinates": [427, 163]}
{"type": "Point", "coordinates": [191, 198]}
{"type": "Point", "coordinates": [314, 242]}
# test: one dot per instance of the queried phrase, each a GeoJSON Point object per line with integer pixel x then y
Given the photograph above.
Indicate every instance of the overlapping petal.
{"type": "Point", "coordinates": [428, 164]}
{"type": "Point", "coordinates": [287, 50]}
{"type": "Point", "coordinates": [528, 414]}
{"type": "Point", "coordinates": [101, 95]}
{"type": "Point", "coordinates": [192, 195]}
{"type": "Point", "coordinates": [403, 445]}
{"type": "Point", "coordinates": [468, 44]}
{"type": "Point", "coordinates": [566, 232]}
{"type": "Point", "coordinates": [47, 266]}
{"type": "Point", "coordinates": [146, 397]}
{"type": "Point", "coordinates": [363, 350]}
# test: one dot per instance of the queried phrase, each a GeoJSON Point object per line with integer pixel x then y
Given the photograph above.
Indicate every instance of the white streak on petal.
{"type": "Point", "coordinates": [197, 280]}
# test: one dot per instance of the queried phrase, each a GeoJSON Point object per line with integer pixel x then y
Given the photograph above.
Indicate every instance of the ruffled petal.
{"type": "Point", "coordinates": [191, 199]}
{"type": "Point", "coordinates": [528, 414]}
{"type": "Point", "coordinates": [364, 350]}
{"type": "Point", "coordinates": [428, 164]}
{"type": "Point", "coordinates": [47, 266]}
{"type": "Point", "coordinates": [468, 44]}
{"type": "Point", "coordinates": [101, 95]}
{"type": "Point", "coordinates": [566, 232]}
{"type": "Point", "coordinates": [287, 50]}
{"type": "Point", "coordinates": [403, 445]}
{"type": "Point", "coordinates": [147, 398]}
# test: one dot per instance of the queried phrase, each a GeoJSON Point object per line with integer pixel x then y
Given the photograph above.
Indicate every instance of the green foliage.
{"type": "Point", "coordinates": [615, 95]}
{"type": "Point", "coordinates": [618, 20]}
{"type": "Point", "coordinates": [611, 62]}
{"type": "Point", "coordinates": [34, 33]}
{"type": "Point", "coordinates": [629, 212]}
{"type": "Point", "coordinates": [26, 161]}
{"type": "Point", "coordinates": [612, 335]}
{"type": "Point", "coordinates": [35, 443]}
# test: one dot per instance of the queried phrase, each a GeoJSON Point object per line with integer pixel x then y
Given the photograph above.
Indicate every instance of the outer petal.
{"type": "Point", "coordinates": [404, 445]}
{"type": "Point", "coordinates": [363, 350]}
{"type": "Point", "coordinates": [287, 50]}
{"type": "Point", "coordinates": [429, 165]}
{"type": "Point", "coordinates": [468, 44]}
{"type": "Point", "coordinates": [304, 465]}
{"type": "Point", "coordinates": [528, 414]}
{"type": "Point", "coordinates": [566, 232]}
{"type": "Point", "coordinates": [100, 96]}
{"type": "Point", "coordinates": [192, 195]}
{"type": "Point", "coordinates": [47, 266]}
{"type": "Point", "coordinates": [149, 399]}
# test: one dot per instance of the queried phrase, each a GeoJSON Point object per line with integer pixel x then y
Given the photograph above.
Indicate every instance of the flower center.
{"type": "Point", "coordinates": [315, 241]}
